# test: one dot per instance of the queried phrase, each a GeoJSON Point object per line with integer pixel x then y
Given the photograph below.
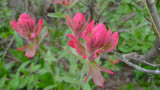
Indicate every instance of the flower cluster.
{"type": "Point", "coordinates": [97, 40]}
{"type": "Point", "coordinates": [26, 28]}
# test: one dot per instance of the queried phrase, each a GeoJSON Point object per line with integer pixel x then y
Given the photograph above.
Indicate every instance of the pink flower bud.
{"type": "Point", "coordinates": [77, 24]}
{"type": "Point", "coordinates": [98, 38]}
{"type": "Point", "coordinates": [27, 29]}
{"type": "Point", "coordinates": [64, 2]}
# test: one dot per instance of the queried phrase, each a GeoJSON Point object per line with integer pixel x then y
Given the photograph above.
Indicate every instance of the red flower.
{"type": "Point", "coordinates": [26, 28]}
{"type": "Point", "coordinates": [77, 24]}
{"type": "Point", "coordinates": [97, 40]}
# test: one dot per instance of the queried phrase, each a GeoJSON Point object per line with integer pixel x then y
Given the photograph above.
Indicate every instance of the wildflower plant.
{"type": "Point", "coordinates": [27, 29]}
{"type": "Point", "coordinates": [97, 40]}
{"type": "Point", "coordinates": [53, 68]}
{"type": "Point", "coordinates": [90, 39]}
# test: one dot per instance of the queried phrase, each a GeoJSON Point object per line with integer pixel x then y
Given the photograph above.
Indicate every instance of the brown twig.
{"type": "Point", "coordinates": [137, 67]}
{"type": "Point", "coordinates": [9, 45]}
{"type": "Point", "coordinates": [153, 83]}
{"type": "Point", "coordinates": [143, 61]}
{"type": "Point", "coordinates": [139, 58]}
{"type": "Point", "coordinates": [7, 48]}
{"type": "Point", "coordinates": [100, 14]}
{"type": "Point", "coordinates": [130, 16]}
{"type": "Point", "coordinates": [91, 8]}
{"type": "Point", "coordinates": [15, 59]}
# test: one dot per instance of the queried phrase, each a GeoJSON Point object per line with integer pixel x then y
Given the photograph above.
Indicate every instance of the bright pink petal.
{"type": "Point", "coordinates": [69, 22]}
{"type": "Point", "coordinates": [26, 22]}
{"type": "Point", "coordinates": [87, 37]}
{"type": "Point", "coordinates": [57, 1]}
{"type": "Point", "coordinates": [87, 76]}
{"type": "Point", "coordinates": [84, 56]}
{"type": "Point", "coordinates": [14, 26]}
{"type": "Point", "coordinates": [108, 35]}
{"type": "Point", "coordinates": [88, 30]}
{"type": "Point", "coordinates": [71, 44]}
{"type": "Point", "coordinates": [25, 16]}
{"type": "Point", "coordinates": [106, 70]}
{"type": "Point", "coordinates": [33, 35]}
{"type": "Point", "coordinates": [79, 47]}
{"type": "Point", "coordinates": [99, 36]}
{"type": "Point", "coordinates": [112, 43]}
{"type": "Point", "coordinates": [40, 24]}
{"type": "Point", "coordinates": [23, 48]}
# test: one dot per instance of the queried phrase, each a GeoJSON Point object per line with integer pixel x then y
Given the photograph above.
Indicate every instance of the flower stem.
{"type": "Point", "coordinates": [82, 74]}
{"type": "Point", "coordinates": [68, 11]}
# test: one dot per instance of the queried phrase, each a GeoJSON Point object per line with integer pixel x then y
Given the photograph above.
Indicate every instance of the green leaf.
{"type": "Point", "coordinates": [61, 54]}
{"type": "Point", "coordinates": [152, 38]}
{"type": "Point", "coordinates": [86, 86]}
{"type": "Point", "coordinates": [13, 84]}
{"type": "Point", "coordinates": [50, 87]}
{"type": "Point", "coordinates": [125, 35]}
{"type": "Point", "coordinates": [22, 67]}
{"type": "Point", "coordinates": [46, 80]}
{"type": "Point", "coordinates": [23, 82]}
{"type": "Point", "coordinates": [2, 81]}
{"type": "Point", "coordinates": [124, 49]}
{"type": "Point", "coordinates": [43, 71]}
{"type": "Point", "coordinates": [138, 74]}
{"type": "Point", "coordinates": [50, 56]}
{"type": "Point", "coordinates": [30, 82]}
{"type": "Point", "coordinates": [56, 15]}
{"type": "Point", "coordinates": [18, 40]}
{"type": "Point", "coordinates": [20, 55]}
{"type": "Point", "coordinates": [126, 1]}
{"type": "Point", "coordinates": [35, 68]}
{"type": "Point", "coordinates": [9, 66]}
{"type": "Point", "coordinates": [136, 47]}
{"type": "Point", "coordinates": [70, 79]}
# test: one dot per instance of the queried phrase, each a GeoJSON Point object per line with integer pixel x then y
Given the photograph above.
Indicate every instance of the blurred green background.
{"type": "Point", "coordinates": [128, 17]}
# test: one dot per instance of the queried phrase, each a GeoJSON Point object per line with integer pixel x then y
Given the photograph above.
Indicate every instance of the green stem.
{"type": "Point", "coordinates": [82, 74]}
{"type": "Point", "coordinates": [68, 11]}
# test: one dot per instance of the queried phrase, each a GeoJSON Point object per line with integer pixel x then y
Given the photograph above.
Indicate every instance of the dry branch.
{"type": "Point", "coordinates": [137, 67]}
{"type": "Point", "coordinates": [154, 52]}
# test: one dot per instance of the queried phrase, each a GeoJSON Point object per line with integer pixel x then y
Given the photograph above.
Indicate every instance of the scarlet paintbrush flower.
{"type": "Point", "coordinates": [97, 40]}
{"type": "Point", "coordinates": [77, 24]}
{"type": "Point", "coordinates": [26, 28]}
{"type": "Point", "coordinates": [64, 2]}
